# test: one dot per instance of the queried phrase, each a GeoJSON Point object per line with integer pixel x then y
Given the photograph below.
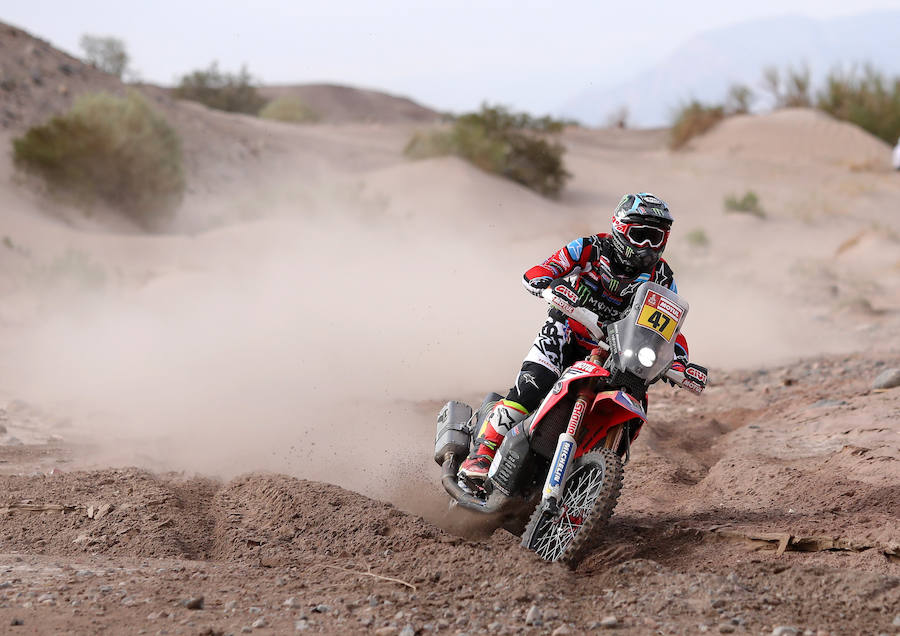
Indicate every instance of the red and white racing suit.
{"type": "Point", "coordinates": [562, 341]}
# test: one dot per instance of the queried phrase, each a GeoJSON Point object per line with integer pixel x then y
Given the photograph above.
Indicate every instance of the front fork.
{"type": "Point", "coordinates": [565, 453]}
{"type": "Point", "coordinates": [555, 483]}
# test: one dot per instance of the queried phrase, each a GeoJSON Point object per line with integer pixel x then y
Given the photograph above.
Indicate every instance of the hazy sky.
{"type": "Point", "coordinates": [450, 55]}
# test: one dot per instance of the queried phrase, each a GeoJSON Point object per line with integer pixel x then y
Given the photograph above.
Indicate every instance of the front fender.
{"type": "Point", "coordinates": [608, 409]}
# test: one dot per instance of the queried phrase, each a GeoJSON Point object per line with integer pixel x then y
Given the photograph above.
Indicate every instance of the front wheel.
{"type": "Point", "coordinates": [591, 493]}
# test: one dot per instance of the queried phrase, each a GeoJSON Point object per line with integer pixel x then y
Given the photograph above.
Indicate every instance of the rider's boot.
{"type": "Point", "coordinates": [497, 424]}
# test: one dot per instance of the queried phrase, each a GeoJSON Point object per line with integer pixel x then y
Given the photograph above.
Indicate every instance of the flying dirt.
{"type": "Point", "coordinates": [228, 425]}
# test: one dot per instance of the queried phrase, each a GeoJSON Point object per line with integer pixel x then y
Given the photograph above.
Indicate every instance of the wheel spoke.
{"type": "Point", "coordinates": [581, 491]}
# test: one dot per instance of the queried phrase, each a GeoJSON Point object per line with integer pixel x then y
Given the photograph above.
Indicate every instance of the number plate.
{"type": "Point", "coordinates": [660, 314]}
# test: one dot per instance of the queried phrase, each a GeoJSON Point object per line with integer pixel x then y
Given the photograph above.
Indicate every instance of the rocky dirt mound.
{"type": "Point", "coordinates": [111, 512]}
{"type": "Point", "coordinates": [38, 81]}
{"type": "Point", "coordinates": [344, 104]}
{"type": "Point", "coordinates": [797, 135]}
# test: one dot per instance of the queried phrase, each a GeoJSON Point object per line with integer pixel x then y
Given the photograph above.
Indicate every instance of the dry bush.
{"type": "Point", "coordinates": [498, 141]}
{"type": "Point", "coordinates": [289, 109]}
{"type": "Point", "coordinates": [790, 90]}
{"type": "Point", "coordinates": [867, 99]}
{"type": "Point", "coordinates": [114, 149]}
{"type": "Point", "coordinates": [105, 53]}
{"type": "Point", "coordinates": [232, 92]}
{"type": "Point", "coordinates": [692, 119]}
{"type": "Point", "coordinates": [697, 238]}
{"type": "Point", "coordinates": [747, 204]}
{"type": "Point", "coordinates": [618, 118]}
{"type": "Point", "coordinates": [739, 99]}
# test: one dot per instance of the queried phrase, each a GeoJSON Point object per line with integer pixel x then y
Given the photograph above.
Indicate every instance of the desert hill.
{"type": "Point", "coordinates": [342, 104]}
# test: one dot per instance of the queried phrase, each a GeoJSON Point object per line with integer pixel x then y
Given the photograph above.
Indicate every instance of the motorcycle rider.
{"type": "Point", "coordinates": [612, 267]}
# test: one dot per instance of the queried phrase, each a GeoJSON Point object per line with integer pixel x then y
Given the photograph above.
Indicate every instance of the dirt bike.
{"type": "Point", "coordinates": [557, 475]}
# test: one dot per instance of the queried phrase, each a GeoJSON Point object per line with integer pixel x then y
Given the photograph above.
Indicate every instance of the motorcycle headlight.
{"type": "Point", "coordinates": [646, 356]}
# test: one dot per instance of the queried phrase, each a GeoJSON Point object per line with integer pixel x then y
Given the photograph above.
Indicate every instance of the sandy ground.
{"type": "Point", "coordinates": [241, 406]}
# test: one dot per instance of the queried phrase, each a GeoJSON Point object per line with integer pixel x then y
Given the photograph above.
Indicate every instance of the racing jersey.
{"type": "Point", "coordinates": [599, 288]}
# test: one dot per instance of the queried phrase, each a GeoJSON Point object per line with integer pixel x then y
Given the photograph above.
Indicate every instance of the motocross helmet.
{"type": "Point", "coordinates": [640, 229]}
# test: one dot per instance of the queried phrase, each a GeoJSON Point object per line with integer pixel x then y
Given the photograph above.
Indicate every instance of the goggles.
{"type": "Point", "coordinates": [643, 235]}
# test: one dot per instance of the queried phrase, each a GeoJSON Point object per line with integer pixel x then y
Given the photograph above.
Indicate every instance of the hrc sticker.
{"type": "Point", "coordinates": [660, 314]}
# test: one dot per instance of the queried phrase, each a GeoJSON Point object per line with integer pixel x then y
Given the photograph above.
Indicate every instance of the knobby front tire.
{"type": "Point", "coordinates": [591, 493]}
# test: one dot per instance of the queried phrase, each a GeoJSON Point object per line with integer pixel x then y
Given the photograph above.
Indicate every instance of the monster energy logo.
{"type": "Point", "coordinates": [628, 251]}
{"type": "Point", "coordinates": [613, 284]}
{"type": "Point", "coordinates": [584, 293]}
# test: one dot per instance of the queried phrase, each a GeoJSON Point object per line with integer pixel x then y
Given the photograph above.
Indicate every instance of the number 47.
{"type": "Point", "coordinates": [658, 317]}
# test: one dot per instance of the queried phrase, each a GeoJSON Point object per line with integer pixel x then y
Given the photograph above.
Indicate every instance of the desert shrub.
{"type": "Point", "coordinates": [692, 119]}
{"type": "Point", "coordinates": [73, 269]}
{"type": "Point", "coordinates": [866, 98]}
{"type": "Point", "coordinates": [790, 90]}
{"type": "Point", "coordinates": [739, 99]}
{"type": "Point", "coordinates": [618, 118]}
{"type": "Point", "coordinates": [232, 92]}
{"type": "Point", "coordinates": [289, 109]}
{"type": "Point", "coordinates": [115, 149]}
{"type": "Point", "coordinates": [513, 145]}
{"type": "Point", "coordinates": [105, 53]}
{"type": "Point", "coordinates": [748, 204]}
{"type": "Point", "coordinates": [697, 238]}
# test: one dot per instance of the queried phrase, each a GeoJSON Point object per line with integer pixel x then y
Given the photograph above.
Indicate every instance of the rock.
{"type": "Point", "coordinates": [408, 630]}
{"type": "Point", "coordinates": [533, 617]}
{"type": "Point", "coordinates": [17, 621]}
{"type": "Point", "coordinates": [386, 631]}
{"type": "Point", "coordinates": [102, 510]}
{"type": "Point", "coordinates": [609, 622]}
{"type": "Point", "coordinates": [230, 606]}
{"type": "Point", "coordinates": [255, 610]}
{"type": "Point", "coordinates": [785, 630]}
{"type": "Point", "coordinates": [246, 629]}
{"type": "Point", "coordinates": [321, 608]}
{"type": "Point", "coordinates": [193, 603]}
{"type": "Point", "coordinates": [302, 625]}
{"type": "Point", "coordinates": [258, 623]}
{"type": "Point", "coordinates": [291, 602]}
{"type": "Point", "coordinates": [887, 379]}
{"type": "Point", "coordinates": [822, 403]}
{"type": "Point", "coordinates": [562, 630]}
{"type": "Point", "coordinates": [726, 628]}
{"type": "Point", "coordinates": [896, 622]}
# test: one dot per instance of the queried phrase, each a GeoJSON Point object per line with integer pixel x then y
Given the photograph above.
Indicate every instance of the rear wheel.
{"type": "Point", "coordinates": [592, 490]}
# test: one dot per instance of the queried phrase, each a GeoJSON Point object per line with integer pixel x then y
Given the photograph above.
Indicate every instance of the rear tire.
{"type": "Point", "coordinates": [591, 493]}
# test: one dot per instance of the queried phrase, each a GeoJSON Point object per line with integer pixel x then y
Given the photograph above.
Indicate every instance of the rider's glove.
{"type": "Point", "coordinates": [563, 289]}
{"type": "Point", "coordinates": [695, 376]}
{"type": "Point", "coordinates": [536, 285]}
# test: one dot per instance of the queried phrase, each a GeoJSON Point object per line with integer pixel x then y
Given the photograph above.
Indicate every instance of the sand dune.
{"type": "Point", "coordinates": [797, 135]}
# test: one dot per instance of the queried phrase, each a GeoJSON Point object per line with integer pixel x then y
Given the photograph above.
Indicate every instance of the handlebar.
{"type": "Point", "coordinates": [591, 322]}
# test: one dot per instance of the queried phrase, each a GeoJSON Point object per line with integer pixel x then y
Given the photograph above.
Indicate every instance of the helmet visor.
{"type": "Point", "coordinates": [645, 235]}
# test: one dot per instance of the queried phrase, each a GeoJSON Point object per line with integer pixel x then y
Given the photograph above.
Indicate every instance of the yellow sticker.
{"type": "Point", "coordinates": [660, 315]}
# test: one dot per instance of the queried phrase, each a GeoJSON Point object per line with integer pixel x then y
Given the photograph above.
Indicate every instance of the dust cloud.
{"type": "Point", "coordinates": [318, 349]}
